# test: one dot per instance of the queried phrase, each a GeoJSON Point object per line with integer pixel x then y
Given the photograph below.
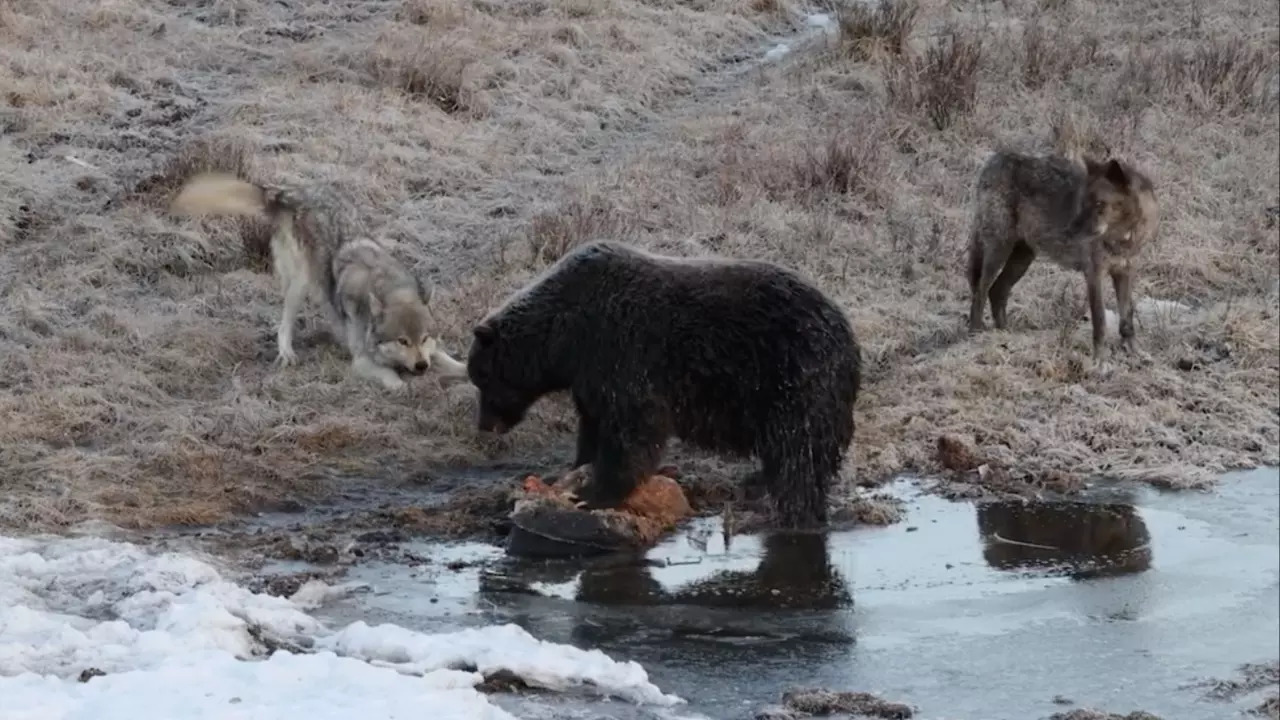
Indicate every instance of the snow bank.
{"type": "Point", "coordinates": [175, 639]}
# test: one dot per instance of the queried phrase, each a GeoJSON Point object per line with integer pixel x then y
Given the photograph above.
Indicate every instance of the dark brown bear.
{"type": "Point", "coordinates": [738, 357]}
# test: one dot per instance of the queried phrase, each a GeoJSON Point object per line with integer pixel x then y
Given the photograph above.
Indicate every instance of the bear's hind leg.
{"type": "Point", "coordinates": [798, 487]}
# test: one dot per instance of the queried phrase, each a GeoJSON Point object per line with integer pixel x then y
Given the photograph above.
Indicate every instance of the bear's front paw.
{"type": "Point", "coordinates": [588, 498]}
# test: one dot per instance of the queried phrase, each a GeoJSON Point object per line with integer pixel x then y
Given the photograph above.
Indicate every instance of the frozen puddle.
{"type": "Point", "coordinates": [815, 25]}
{"type": "Point", "coordinates": [98, 630]}
{"type": "Point", "coordinates": [989, 611]}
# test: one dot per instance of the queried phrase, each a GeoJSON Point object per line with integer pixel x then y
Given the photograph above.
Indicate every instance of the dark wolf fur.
{"type": "Point", "coordinates": [1093, 217]}
{"type": "Point", "coordinates": [739, 357]}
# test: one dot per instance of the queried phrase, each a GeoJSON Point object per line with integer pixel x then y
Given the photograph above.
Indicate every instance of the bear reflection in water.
{"type": "Point", "coordinates": [1080, 540]}
{"type": "Point", "coordinates": [795, 572]}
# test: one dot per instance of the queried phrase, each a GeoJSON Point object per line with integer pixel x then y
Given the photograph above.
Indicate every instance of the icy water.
{"type": "Point", "coordinates": [991, 611]}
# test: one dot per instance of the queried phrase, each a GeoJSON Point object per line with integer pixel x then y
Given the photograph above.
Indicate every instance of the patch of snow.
{"type": "Point", "coordinates": [1153, 307]}
{"type": "Point", "coordinates": [1147, 311]}
{"type": "Point", "coordinates": [820, 20]}
{"type": "Point", "coordinates": [176, 639]}
{"type": "Point", "coordinates": [506, 647]}
{"type": "Point", "coordinates": [314, 593]}
{"type": "Point", "coordinates": [777, 52]}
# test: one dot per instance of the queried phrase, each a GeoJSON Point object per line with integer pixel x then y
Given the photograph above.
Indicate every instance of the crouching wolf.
{"type": "Point", "coordinates": [1088, 216]}
{"type": "Point", "coordinates": [372, 302]}
{"type": "Point", "coordinates": [740, 357]}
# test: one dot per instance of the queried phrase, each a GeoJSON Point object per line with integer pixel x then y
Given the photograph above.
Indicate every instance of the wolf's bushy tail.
{"type": "Point", "coordinates": [216, 193]}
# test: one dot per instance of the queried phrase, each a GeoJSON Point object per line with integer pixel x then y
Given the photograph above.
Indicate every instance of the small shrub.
{"type": "Point", "coordinates": [553, 234]}
{"type": "Point", "coordinates": [421, 67]}
{"type": "Point", "coordinates": [437, 14]}
{"type": "Point", "coordinates": [1047, 55]}
{"type": "Point", "coordinates": [768, 7]}
{"type": "Point", "coordinates": [1229, 74]}
{"type": "Point", "coordinates": [1073, 135]}
{"type": "Point", "coordinates": [846, 163]}
{"type": "Point", "coordinates": [1142, 78]}
{"type": "Point", "coordinates": [867, 31]}
{"type": "Point", "coordinates": [943, 84]}
{"type": "Point", "coordinates": [1228, 71]}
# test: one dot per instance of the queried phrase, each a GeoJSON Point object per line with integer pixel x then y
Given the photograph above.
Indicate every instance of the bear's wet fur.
{"type": "Point", "coordinates": [739, 357]}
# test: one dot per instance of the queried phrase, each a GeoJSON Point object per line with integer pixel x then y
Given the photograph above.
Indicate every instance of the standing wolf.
{"type": "Point", "coordinates": [1084, 215]}
{"type": "Point", "coordinates": [734, 356]}
{"type": "Point", "coordinates": [372, 302]}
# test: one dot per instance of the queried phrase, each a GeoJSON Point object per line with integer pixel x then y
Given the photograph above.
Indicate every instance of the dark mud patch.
{"type": "Point", "coordinates": [367, 521]}
{"type": "Point", "coordinates": [471, 513]}
{"type": "Point", "coordinates": [968, 475]}
{"type": "Point", "coordinates": [1085, 714]}
{"type": "Point", "coordinates": [1252, 677]}
{"type": "Point", "coordinates": [1270, 708]}
{"type": "Point", "coordinates": [810, 702]}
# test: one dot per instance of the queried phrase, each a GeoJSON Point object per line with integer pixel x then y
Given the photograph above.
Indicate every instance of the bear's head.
{"type": "Point", "coordinates": [504, 376]}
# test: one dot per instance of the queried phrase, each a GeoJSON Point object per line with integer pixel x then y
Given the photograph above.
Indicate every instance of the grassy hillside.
{"type": "Point", "coordinates": [485, 137]}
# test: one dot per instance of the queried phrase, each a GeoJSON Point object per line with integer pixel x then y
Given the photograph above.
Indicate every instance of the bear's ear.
{"type": "Point", "coordinates": [485, 334]}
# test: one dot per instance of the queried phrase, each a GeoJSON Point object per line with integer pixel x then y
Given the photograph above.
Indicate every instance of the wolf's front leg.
{"type": "Point", "coordinates": [364, 366]}
{"type": "Point", "coordinates": [1122, 279]}
{"type": "Point", "coordinates": [447, 366]}
{"type": "Point", "coordinates": [295, 292]}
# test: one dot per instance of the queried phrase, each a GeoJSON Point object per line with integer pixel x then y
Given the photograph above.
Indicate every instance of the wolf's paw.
{"type": "Point", "coordinates": [286, 357]}
{"type": "Point", "coordinates": [1100, 367]}
{"type": "Point", "coordinates": [393, 383]}
{"type": "Point", "coordinates": [1140, 358]}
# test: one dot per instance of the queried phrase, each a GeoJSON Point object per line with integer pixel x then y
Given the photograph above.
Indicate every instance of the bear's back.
{"type": "Point", "coordinates": [713, 321]}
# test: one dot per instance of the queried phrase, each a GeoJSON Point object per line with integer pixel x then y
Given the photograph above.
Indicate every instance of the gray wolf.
{"type": "Point", "coordinates": [373, 304]}
{"type": "Point", "coordinates": [1084, 215]}
{"type": "Point", "coordinates": [739, 357]}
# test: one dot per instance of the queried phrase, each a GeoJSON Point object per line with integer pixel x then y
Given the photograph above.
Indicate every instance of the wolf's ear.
{"type": "Point", "coordinates": [1116, 174]}
{"type": "Point", "coordinates": [375, 305]}
{"type": "Point", "coordinates": [485, 334]}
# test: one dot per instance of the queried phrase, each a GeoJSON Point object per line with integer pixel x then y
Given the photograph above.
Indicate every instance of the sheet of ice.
{"type": "Point", "coordinates": [169, 629]}
{"type": "Point", "coordinates": [777, 51]}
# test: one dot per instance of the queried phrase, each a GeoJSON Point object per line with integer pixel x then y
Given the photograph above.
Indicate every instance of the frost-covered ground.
{"type": "Point", "coordinates": [176, 639]}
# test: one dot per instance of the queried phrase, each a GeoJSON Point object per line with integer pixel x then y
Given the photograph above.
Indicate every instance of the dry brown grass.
{"type": "Point", "coordinates": [484, 139]}
{"type": "Point", "coordinates": [867, 30]}
{"type": "Point", "coordinates": [942, 82]}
